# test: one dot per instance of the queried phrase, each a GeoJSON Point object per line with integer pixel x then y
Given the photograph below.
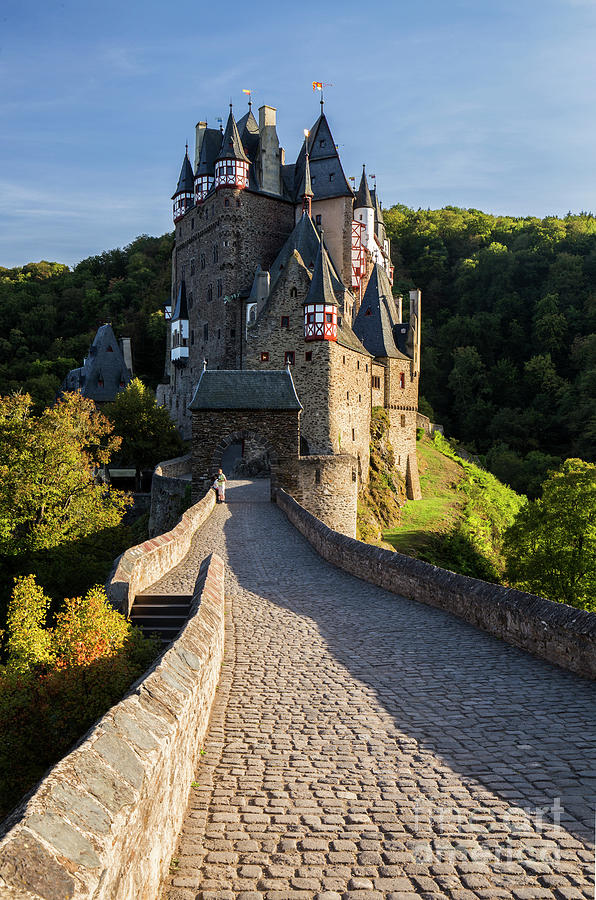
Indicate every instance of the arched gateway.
{"type": "Point", "coordinates": [240, 405]}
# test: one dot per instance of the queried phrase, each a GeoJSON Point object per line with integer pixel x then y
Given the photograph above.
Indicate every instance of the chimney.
{"type": "Point", "coordinates": [269, 155]}
{"type": "Point", "coordinates": [200, 134]}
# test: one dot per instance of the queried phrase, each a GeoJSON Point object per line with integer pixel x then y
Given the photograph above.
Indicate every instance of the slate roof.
{"type": "Point", "coordinates": [321, 286]}
{"type": "Point", "coordinates": [245, 389]}
{"type": "Point", "coordinates": [327, 175]}
{"type": "Point", "coordinates": [377, 206]}
{"type": "Point", "coordinates": [248, 129]}
{"type": "Point", "coordinates": [186, 182]}
{"type": "Point", "coordinates": [231, 145]}
{"type": "Point", "coordinates": [377, 318]}
{"type": "Point", "coordinates": [363, 198]}
{"type": "Point", "coordinates": [209, 149]}
{"type": "Point", "coordinates": [181, 308]}
{"type": "Point", "coordinates": [105, 363]}
{"type": "Point", "coordinates": [305, 239]}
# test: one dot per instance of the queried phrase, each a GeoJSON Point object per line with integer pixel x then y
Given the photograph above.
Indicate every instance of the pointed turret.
{"type": "Point", "coordinates": [327, 175]}
{"type": "Point", "coordinates": [363, 199]}
{"type": "Point", "coordinates": [375, 324]}
{"type": "Point", "coordinates": [231, 166]}
{"type": "Point", "coordinates": [320, 305]}
{"type": "Point", "coordinates": [183, 196]}
{"type": "Point", "coordinates": [307, 193]}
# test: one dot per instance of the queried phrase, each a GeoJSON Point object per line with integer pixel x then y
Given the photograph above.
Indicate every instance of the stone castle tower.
{"type": "Point", "coordinates": [280, 265]}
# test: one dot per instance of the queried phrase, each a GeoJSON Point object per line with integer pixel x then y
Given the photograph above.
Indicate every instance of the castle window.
{"type": "Point", "coordinates": [368, 312]}
{"type": "Point", "coordinates": [264, 356]}
{"type": "Point", "coordinates": [110, 349]}
{"type": "Point", "coordinates": [209, 292]}
{"type": "Point", "coordinates": [293, 292]}
{"type": "Point", "coordinates": [285, 321]}
{"type": "Point", "coordinates": [237, 202]}
{"type": "Point", "coordinates": [347, 395]}
{"type": "Point", "coordinates": [232, 333]}
{"type": "Point", "coordinates": [358, 364]}
{"type": "Point", "coordinates": [403, 421]}
{"type": "Point", "coordinates": [329, 317]}
{"type": "Point", "coordinates": [192, 224]}
{"type": "Point", "coordinates": [344, 360]}
{"type": "Point", "coordinates": [218, 333]}
{"type": "Point", "coordinates": [331, 176]}
{"type": "Point", "coordinates": [192, 336]}
{"type": "Point", "coordinates": [227, 203]}
{"type": "Point", "coordinates": [317, 476]}
{"type": "Point", "coordinates": [322, 142]}
{"type": "Point", "coordinates": [318, 219]}
{"type": "Point", "coordinates": [376, 382]}
{"type": "Point", "coordinates": [308, 356]}
{"type": "Point", "coordinates": [289, 358]}
{"type": "Point", "coordinates": [206, 331]}
{"type": "Point", "coordinates": [359, 398]}
{"type": "Point", "coordinates": [202, 260]}
{"type": "Point", "coordinates": [215, 254]}
{"type": "Point", "coordinates": [190, 300]}
{"type": "Point", "coordinates": [367, 367]}
{"type": "Point", "coordinates": [219, 287]}
{"type": "Point", "coordinates": [354, 475]}
{"type": "Point", "coordinates": [192, 267]}
{"type": "Point", "coordinates": [402, 379]}
{"type": "Point", "coordinates": [339, 321]}
{"type": "Point", "coordinates": [353, 434]}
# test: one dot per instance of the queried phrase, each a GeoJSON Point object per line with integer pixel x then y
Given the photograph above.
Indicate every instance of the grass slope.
{"type": "Point", "coordinates": [459, 522]}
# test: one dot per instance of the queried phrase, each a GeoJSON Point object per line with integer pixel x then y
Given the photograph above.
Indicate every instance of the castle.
{"type": "Point", "coordinates": [282, 267]}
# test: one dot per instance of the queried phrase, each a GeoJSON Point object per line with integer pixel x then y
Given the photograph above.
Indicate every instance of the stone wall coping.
{"type": "Point", "coordinates": [171, 468]}
{"type": "Point", "coordinates": [144, 564]}
{"type": "Point", "coordinates": [122, 792]}
{"type": "Point", "coordinates": [555, 631]}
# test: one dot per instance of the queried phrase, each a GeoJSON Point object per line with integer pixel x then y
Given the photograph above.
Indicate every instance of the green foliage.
{"type": "Point", "coordinates": [148, 434]}
{"type": "Point", "coordinates": [380, 501]}
{"type": "Point", "coordinates": [48, 490]}
{"type": "Point", "coordinates": [58, 681]}
{"type": "Point", "coordinates": [551, 545]}
{"type": "Point", "coordinates": [509, 331]}
{"type": "Point", "coordinates": [51, 314]}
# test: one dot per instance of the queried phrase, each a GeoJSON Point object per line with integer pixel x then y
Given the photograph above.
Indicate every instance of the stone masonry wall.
{"type": "Point", "coordinates": [140, 566]}
{"type": "Point", "coordinates": [402, 406]}
{"type": "Point", "coordinates": [170, 481]}
{"type": "Point", "coordinates": [214, 430]}
{"type": "Point", "coordinates": [328, 488]}
{"type": "Point", "coordinates": [553, 631]}
{"type": "Point", "coordinates": [103, 823]}
{"type": "Point", "coordinates": [349, 405]}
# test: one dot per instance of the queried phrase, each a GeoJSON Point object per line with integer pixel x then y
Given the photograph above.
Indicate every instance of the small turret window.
{"type": "Point", "coordinates": [322, 142]}
{"type": "Point", "coordinates": [215, 254]}
{"type": "Point", "coordinates": [264, 356]}
{"type": "Point", "coordinates": [219, 287]}
{"type": "Point", "coordinates": [209, 292]}
{"type": "Point", "coordinates": [402, 380]}
{"type": "Point", "coordinates": [202, 260]}
{"type": "Point", "coordinates": [293, 292]}
{"type": "Point", "coordinates": [285, 321]}
{"type": "Point", "coordinates": [331, 176]}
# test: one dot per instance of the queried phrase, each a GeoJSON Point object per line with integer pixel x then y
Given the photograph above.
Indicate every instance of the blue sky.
{"type": "Point", "coordinates": [462, 102]}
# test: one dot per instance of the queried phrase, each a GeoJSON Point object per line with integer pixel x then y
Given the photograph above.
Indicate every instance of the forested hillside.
{"type": "Point", "coordinates": [50, 314]}
{"type": "Point", "coordinates": [509, 332]}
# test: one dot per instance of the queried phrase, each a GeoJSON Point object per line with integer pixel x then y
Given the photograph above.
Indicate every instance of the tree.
{"type": "Point", "coordinates": [551, 545]}
{"type": "Point", "coordinates": [148, 434]}
{"type": "Point", "coordinates": [49, 493]}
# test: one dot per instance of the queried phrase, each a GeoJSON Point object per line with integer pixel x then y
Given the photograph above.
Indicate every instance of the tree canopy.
{"type": "Point", "coordinates": [551, 545]}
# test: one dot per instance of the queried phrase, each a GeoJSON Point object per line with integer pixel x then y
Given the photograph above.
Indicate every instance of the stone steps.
{"type": "Point", "coordinates": [162, 614]}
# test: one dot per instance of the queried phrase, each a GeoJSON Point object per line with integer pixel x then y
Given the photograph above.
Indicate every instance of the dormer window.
{"type": "Point", "coordinates": [322, 142]}
{"type": "Point", "coordinates": [110, 349]}
{"type": "Point", "coordinates": [331, 176]}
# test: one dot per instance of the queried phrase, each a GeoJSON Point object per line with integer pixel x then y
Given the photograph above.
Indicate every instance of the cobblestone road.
{"type": "Point", "coordinates": [365, 746]}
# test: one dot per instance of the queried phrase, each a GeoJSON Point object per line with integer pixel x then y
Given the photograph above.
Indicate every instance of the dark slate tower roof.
{"type": "Point", "coordinates": [321, 286]}
{"type": "Point", "coordinates": [377, 317]}
{"type": "Point", "coordinates": [181, 308]}
{"type": "Point", "coordinates": [245, 389]}
{"type": "Point", "coordinates": [306, 189]}
{"type": "Point", "coordinates": [377, 207]}
{"type": "Point", "coordinates": [248, 129]}
{"type": "Point", "coordinates": [363, 198]}
{"type": "Point", "coordinates": [305, 239]}
{"type": "Point", "coordinates": [186, 182]}
{"type": "Point", "coordinates": [104, 372]}
{"type": "Point", "coordinates": [231, 145]}
{"type": "Point", "coordinates": [209, 149]}
{"type": "Point", "coordinates": [327, 175]}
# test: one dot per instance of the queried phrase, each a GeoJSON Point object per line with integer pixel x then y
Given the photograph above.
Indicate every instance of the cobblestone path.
{"type": "Point", "coordinates": [365, 746]}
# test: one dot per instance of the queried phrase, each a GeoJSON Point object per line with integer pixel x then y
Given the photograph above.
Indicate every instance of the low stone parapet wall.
{"type": "Point", "coordinates": [143, 565]}
{"type": "Point", "coordinates": [170, 482]}
{"type": "Point", "coordinates": [104, 822]}
{"type": "Point", "coordinates": [558, 633]}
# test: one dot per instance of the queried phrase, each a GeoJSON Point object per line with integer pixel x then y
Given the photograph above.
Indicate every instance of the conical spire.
{"type": "Point", "coordinates": [363, 199]}
{"type": "Point", "coordinates": [377, 317]}
{"type": "Point", "coordinates": [307, 191]}
{"type": "Point", "coordinates": [186, 182]}
{"type": "Point", "coordinates": [321, 286]}
{"type": "Point", "coordinates": [231, 145]}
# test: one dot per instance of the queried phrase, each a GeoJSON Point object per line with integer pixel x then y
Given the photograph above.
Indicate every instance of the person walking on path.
{"type": "Point", "coordinates": [220, 487]}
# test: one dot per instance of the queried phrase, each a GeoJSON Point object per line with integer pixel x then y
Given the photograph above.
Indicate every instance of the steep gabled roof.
{"type": "Point", "coordinates": [231, 145]}
{"type": "Point", "coordinates": [377, 207]}
{"type": "Point", "coordinates": [209, 149]}
{"type": "Point", "coordinates": [104, 372]}
{"type": "Point", "coordinates": [181, 308]}
{"type": "Point", "coordinates": [245, 389]}
{"type": "Point", "coordinates": [248, 129]}
{"type": "Point", "coordinates": [305, 239]}
{"type": "Point", "coordinates": [321, 286]}
{"type": "Point", "coordinates": [377, 317]}
{"type": "Point", "coordinates": [327, 174]}
{"type": "Point", "coordinates": [363, 198]}
{"type": "Point", "coordinates": [186, 182]}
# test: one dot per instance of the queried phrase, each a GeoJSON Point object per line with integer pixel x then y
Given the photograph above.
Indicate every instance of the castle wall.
{"type": "Point", "coordinates": [336, 221]}
{"type": "Point", "coordinates": [402, 407]}
{"type": "Point", "coordinates": [328, 488]}
{"type": "Point", "coordinates": [349, 405]}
